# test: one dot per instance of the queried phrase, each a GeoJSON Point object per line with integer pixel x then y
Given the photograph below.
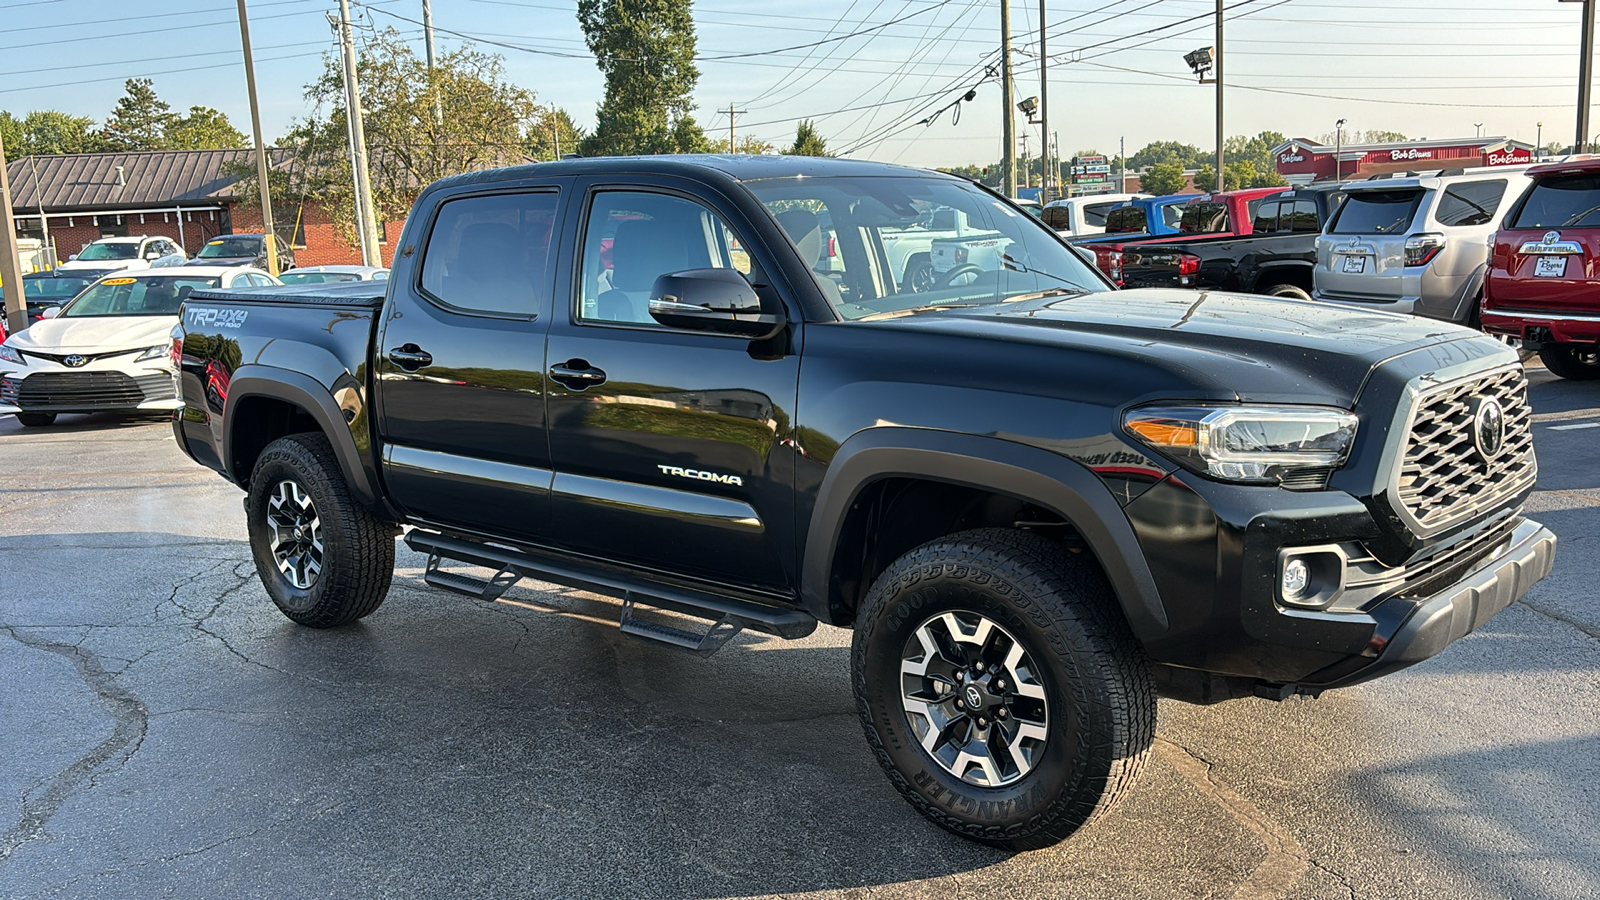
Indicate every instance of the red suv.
{"type": "Point", "coordinates": [1543, 281]}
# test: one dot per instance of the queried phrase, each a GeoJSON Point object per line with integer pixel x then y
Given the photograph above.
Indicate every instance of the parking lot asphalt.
{"type": "Point", "coordinates": [164, 732]}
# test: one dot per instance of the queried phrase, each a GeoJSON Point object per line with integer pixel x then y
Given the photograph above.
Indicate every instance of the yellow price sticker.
{"type": "Point", "coordinates": [119, 281]}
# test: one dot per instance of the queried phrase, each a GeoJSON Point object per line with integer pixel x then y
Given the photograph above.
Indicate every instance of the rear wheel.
{"type": "Point", "coordinates": [1291, 291]}
{"type": "Point", "coordinates": [324, 558]}
{"type": "Point", "coordinates": [1000, 689]}
{"type": "Point", "coordinates": [36, 420]}
{"type": "Point", "coordinates": [1574, 362]}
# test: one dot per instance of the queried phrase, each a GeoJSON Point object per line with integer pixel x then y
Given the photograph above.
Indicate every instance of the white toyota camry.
{"type": "Point", "coordinates": [110, 348]}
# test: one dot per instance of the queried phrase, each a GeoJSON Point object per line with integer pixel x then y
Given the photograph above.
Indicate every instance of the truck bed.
{"type": "Point", "coordinates": [367, 294]}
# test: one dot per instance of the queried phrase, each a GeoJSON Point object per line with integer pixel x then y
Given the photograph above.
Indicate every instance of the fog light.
{"type": "Point", "coordinates": [1296, 578]}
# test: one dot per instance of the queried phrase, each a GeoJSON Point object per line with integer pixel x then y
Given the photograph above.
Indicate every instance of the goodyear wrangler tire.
{"type": "Point", "coordinates": [325, 559]}
{"type": "Point", "coordinates": [1000, 688]}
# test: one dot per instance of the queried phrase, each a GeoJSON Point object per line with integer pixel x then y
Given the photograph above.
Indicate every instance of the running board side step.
{"type": "Point", "coordinates": [730, 615]}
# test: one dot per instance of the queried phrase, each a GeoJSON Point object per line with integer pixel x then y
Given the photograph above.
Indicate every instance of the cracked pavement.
{"type": "Point", "coordinates": [166, 733]}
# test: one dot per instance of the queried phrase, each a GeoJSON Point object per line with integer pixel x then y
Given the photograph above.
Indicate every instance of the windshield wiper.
{"type": "Point", "coordinates": [1053, 292]}
{"type": "Point", "coordinates": [1016, 266]}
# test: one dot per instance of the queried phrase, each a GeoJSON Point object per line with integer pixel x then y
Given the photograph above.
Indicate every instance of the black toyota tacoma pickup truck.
{"type": "Point", "coordinates": [1038, 502]}
{"type": "Point", "coordinates": [1275, 259]}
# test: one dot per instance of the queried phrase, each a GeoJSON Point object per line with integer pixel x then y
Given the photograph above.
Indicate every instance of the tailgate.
{"type": "Point", "coordinates": [1544, 259]}
{"type": "Point", "coordinates": [1365, 245]}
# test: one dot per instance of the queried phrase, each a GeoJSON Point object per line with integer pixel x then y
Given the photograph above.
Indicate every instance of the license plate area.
{"type": "Point", "coordinates": [1355, 265]}
{"type": "Point", "coordinates": [1549, 266]}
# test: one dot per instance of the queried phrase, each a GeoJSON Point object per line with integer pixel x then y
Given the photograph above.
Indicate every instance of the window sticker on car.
{"type": "Point", "coordinates": [118, 281]}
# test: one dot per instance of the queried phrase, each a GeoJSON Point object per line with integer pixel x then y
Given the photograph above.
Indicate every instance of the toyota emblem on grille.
{"type": "Point", "coordinates": [74, 360]}
{"type": "Point", "coordinates": [1488, 428]}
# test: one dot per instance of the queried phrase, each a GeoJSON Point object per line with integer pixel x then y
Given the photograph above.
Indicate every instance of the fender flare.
{"type": "Point", "coordinates": [313, 397]}
{"type": "Point", "coordinates": [1039, 476]}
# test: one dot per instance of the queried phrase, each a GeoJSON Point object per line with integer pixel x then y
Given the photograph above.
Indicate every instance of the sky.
{"type": "Point", "coordinates": [878, 68]}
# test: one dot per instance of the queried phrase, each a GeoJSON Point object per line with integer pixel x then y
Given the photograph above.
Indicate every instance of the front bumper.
{"type": "Point", "coordinates": [98, 387]}
{"type": "Point", "coordinates": [1422, 627]}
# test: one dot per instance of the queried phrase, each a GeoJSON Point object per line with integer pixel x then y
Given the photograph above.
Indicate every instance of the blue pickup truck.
{"type": "Point", "coordinates": [1151, 215]}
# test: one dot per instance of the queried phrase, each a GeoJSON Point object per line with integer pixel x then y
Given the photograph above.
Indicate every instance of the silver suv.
{"type": "Point", "coordinates": [1417, 244]}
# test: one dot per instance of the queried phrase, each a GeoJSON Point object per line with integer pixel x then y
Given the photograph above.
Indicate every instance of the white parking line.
{"type": "Point", "coordinates": [1575, 427]}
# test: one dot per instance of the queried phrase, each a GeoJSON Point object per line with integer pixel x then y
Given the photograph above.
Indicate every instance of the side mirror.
{"type": "Point", "coordinates": [50, 312]}
{"type": "Point", "coordinates": [717, 300]}
{"type": "Point", "coordinates": [72, 258]}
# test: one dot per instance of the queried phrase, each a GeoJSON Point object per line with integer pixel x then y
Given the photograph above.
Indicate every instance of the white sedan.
{"type": "Point", "coordinates": [331, 274]}
{"type": "Point", "coordinates": [139, 252]}
{"type": "Point", "coordinates": [110, 349]}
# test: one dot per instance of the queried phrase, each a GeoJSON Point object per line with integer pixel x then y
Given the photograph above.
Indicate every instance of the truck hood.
{"type": "Point", "coordinates": [1217, 342]}
{"type": "Point", "coordinates": [94, 334]}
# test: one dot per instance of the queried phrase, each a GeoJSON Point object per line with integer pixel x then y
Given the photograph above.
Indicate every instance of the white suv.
{"type": "Point", "coordinates": [1416, 244]}
{"type": "Point", "coordinates": [139, 252]}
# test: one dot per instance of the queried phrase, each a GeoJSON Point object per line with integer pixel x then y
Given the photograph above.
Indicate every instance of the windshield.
{"type": "Point", "coordinates": [145, 296]}
{"type": "Point", "coordinates": [110, 251]}
{"type": "Point", "coordinates": [871, 248]}
{"type": "Point", "coordinates": [316, 277]}
{"type": "Point", "coordinates": [58, 289]}
{"type": "Point", "coordinates": [223, 248]}
{"type": "Point", "coordinates": [1376, 212]}
{"type": "Point", "coordinates": [1568, 201]}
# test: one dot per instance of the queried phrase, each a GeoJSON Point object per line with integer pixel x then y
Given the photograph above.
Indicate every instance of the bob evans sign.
{"type": "Point", "coordinates": [1411, 153]}
{"type": "Point", "coordinates": [1511, 156]}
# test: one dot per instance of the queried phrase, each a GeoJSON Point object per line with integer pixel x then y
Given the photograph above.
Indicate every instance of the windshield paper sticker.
{"type": "Point", "coordinates": [118, 281]}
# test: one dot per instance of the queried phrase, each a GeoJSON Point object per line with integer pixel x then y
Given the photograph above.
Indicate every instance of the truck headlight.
{"type": "Point", "coordinates": [1294, 446]}
{"type": "Point", "coordinates": [11, 356]}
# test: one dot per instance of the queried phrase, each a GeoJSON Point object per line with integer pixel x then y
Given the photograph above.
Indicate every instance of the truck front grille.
{"type": "Point", "coordinates": [84, 390]}
{"type": "Point", "coordinates": [1444, 479]}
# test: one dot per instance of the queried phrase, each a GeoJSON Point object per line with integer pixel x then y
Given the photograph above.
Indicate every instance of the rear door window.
{"type": "Point", "coordinates": [1470, 203]}
{"type": "Point", "coordinates": [1095, 213]}
{"type": "Point", "coordinates": [1204, 218]}
{"type": "Point", "coordinates": [1266, 219]}
{"type": "Point", "coordinates": [1303, 216]}
{"type": "Point", "coordinates": [1059, 217]}
{"type": "Point", "coordinates": [488, 254]}
{"type": "Point", "coordinates": [1172, 214]}
{"type": "Point", "coordinates": [1566, 201]}
{"type": "Point", "coordinates": [1125, 219]}
{"type": "Point", "coordinates": [1377, 212]}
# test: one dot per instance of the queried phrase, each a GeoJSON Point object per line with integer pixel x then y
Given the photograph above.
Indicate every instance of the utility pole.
{"type": "Point", "coordinates": [10, 263]}
{"type": "Point", "coordinates": [733, 144]}
{"type": "Point", "coordinates": [427, 39]}
{"type": "Point", "coordinates": [1122, 165]}
{"type": "Point", "coordinates": [1048, 176]}
{"type": "Point", "coordinates": [366, 228]}
{"type": "Point", "coordinates": [1585, 75]}
{"type": "Point", "coordinates": [1220, 137]}
{"type": "Point", "coordinates": [1008, 133]}
{"type": "Point", "coordinates": [261, 148]}
{"type": "Point", "coordinates": [44, 220]}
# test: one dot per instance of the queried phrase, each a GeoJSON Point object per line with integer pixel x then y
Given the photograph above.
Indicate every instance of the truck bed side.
{"type": "Point", "coordinates": [258, 364]}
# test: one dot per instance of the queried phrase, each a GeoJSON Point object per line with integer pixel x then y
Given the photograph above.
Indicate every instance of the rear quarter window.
{"type": "Point", "coordinates": [1204, 218]}
{"type": "Point", "coordinates": [1470, 203]}
{"type": "Point", "coordinates": [1376, 212]}
{"type": "Point", "coordinates": [1095, 213]}
{"type": "Point", "coordinates": [1566, 201]}
{"type": "Point", "coordinates": [1125, 219]}
{"type": "Point", "coordinates": [1057, 217]}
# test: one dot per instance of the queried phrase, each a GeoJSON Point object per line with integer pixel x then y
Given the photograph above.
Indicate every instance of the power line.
{"type": "Point", "coordinates": [941, 4]}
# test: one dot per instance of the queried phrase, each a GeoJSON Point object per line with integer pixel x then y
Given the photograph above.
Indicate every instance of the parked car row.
{"type": "Point", "coordinates": [100, 340]}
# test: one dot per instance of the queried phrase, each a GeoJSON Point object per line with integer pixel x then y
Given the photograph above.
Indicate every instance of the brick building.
{"type": "Point", "coordinates": [187, 195]}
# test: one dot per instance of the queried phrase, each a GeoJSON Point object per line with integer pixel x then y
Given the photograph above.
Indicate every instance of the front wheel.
{"type": "Point", "coordinates": [1291, 291]}
{"type": "Point", "coordinates": [1000, 689]}
{"type": "Point", "coordinates": [1568, 361]}
{"type": "Point", "coordinates": [324, 558]}
{"type": "Point", "coordinates": [36, 420]}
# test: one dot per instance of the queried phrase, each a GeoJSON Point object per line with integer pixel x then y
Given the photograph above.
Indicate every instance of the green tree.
{"type": "Point", "coordinates": [1162, 179]}
{"type": "Point", "coordinates": [48, 131]}
{"type": "Point", "coordinates": [749, 144]}
{"type": "Point", "coordinates": [553, 130]}
{"type": "Point", "coordinates": [204, 128]}
{"type": "Point", "coordinates": [11, 135]}
{"type": "Point", "coordinates": [808, 141]}
{"type": "Point", "coordinates": [1182, 155]}
{"type": "Point", "coordinates": [1255, 150]}
{"type": "Point", "coordinates": [486, 122]}
{"type": "Point", "coordinates": [646, 49]}
{"type": "Point", "coordinates": [140, 119]}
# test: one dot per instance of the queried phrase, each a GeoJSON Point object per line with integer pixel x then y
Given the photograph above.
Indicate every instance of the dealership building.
{"type": "Point", "coordinates": [1301, 161]}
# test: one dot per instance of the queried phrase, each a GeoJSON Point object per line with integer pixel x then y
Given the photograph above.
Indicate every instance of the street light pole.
{"type": "Point", "coordinates": [1338, 152]}
{"type": "Point", "coordinates": [267, 229]}
{"type": "Point", "coordinates": [1219, 96]}
{"type": "Point", "coordinates": [366, 225]}
{"type": "Point", "coordinates": [1046, 176]}
{"type": "Point", "coordinates": [1538, 140]}
{"type": "Point", "coordinates": [1585, 74]}
{"type": "Point", "coordinates": [1008, 134]}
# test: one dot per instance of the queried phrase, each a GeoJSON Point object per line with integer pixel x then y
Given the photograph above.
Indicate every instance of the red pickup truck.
{"type": "Point", "coordinates": [1543, 279]}
{"type": "Point", "coordinates": [1214, 215]}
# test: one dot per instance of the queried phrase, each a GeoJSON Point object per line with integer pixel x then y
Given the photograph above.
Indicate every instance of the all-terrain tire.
{"type": "Point", "coordinates": [36, 419]}
{"type": "Point", "coordinates": [1293, 292]}
{"type": "Point", "coordinates": [1096, 683]}
{"type": "Point", "coordinates": [356, 560]}
{"type": "Point", "coordinates": [1576, 363]}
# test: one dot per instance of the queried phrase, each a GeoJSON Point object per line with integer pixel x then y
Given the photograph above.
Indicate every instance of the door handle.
{"type": "Point", "coordinates": [410, 357]}
{"type": "Point", "coordinates": [577, 374]}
